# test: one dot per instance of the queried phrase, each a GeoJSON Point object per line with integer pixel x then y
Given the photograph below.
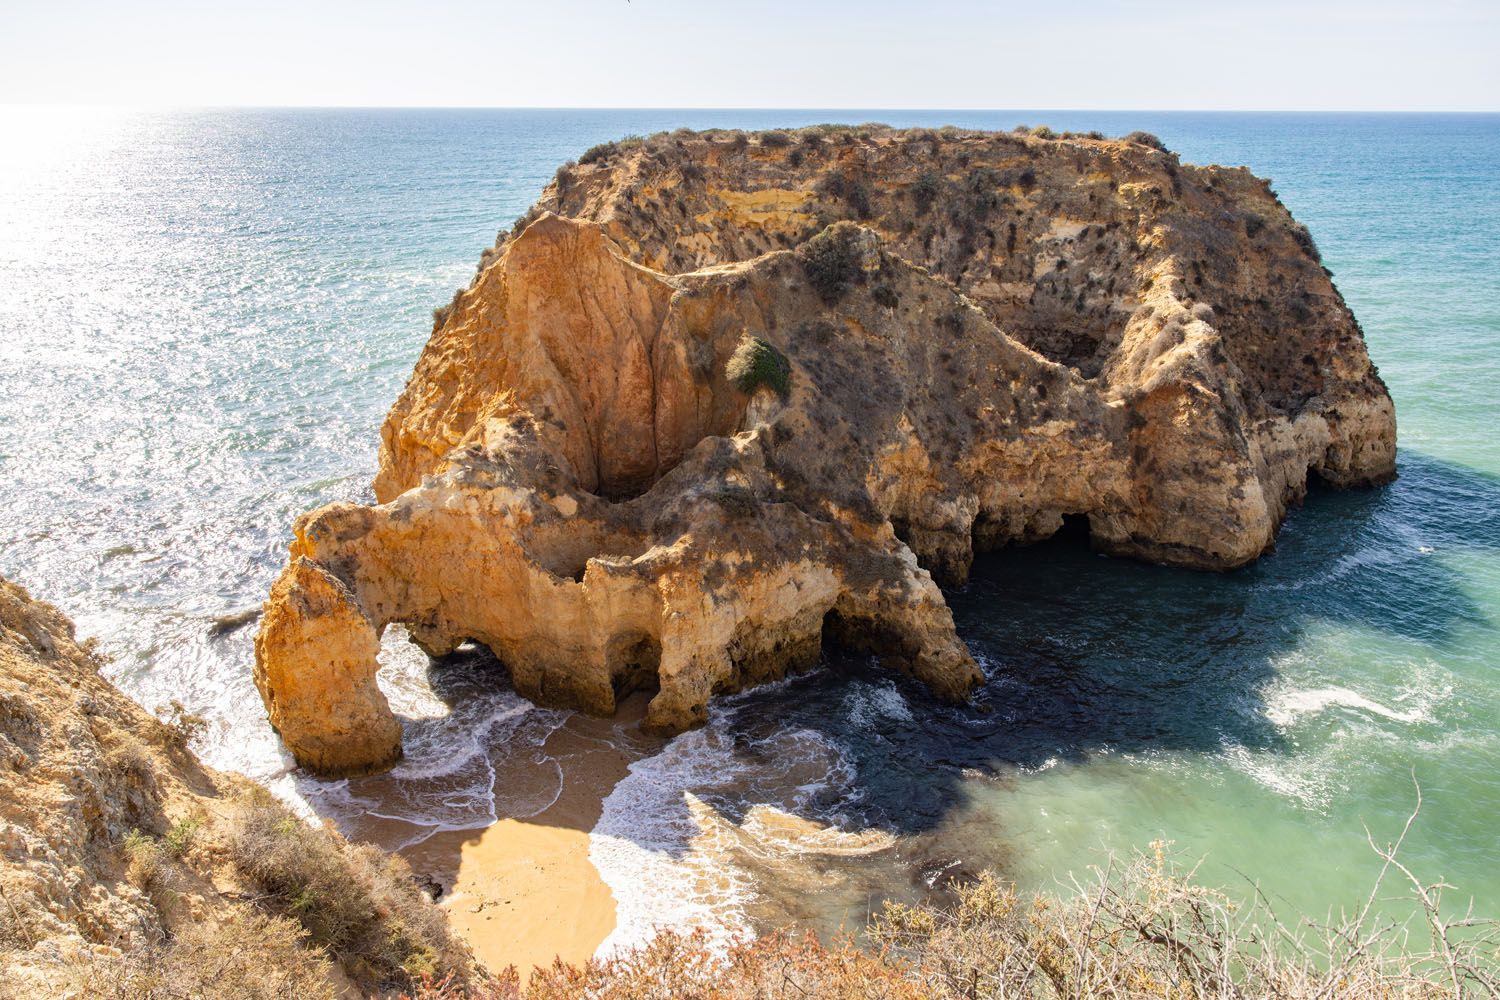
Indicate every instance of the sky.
{"type": "Point", "coordinates": [1435, 55]}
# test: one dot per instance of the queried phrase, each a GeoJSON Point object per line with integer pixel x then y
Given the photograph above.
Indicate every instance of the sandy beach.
{"type": "Point", "coordinates": [526, 894]}
{"type": "Point", "coordinates": [523, 892]}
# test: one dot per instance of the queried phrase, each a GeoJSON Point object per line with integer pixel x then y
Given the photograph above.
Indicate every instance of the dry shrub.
{"type": "Point", "coordinates": [1146, 139]}
{"type": "Point", "coordinates": [853, 191]}
{"type": "Point", "coordinates": [152, 868]}
{"type": "Point", "coordinates": [672, 966]}
{"type": "Point", "coordinates": [1142, 929]}
{"type": "Point", "coordinates": [130, 767]}
{"type": "Point", "coordinates": [356, 901]}
{"type": "Point", "coordinates": [183, 726]}
{"type": "Point", "coordinates": [248, 956]}
{"type": "Point", "coordinates": [833, 260]}
{"type": "Point", "coordinates": [1148, 929]}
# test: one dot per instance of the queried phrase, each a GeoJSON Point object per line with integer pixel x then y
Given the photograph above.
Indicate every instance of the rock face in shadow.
{"type": "Point", "coordinates": [719, 397]}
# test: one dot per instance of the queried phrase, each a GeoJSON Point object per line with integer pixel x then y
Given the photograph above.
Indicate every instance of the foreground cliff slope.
{"type": "Point", "coordinates": [128, 870]}
{"type": "Point", "coordinates": [719, 396]}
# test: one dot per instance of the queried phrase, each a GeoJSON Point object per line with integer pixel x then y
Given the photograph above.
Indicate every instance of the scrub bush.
{"type": "Point", "coordinates": [355, 901]}
{"type": "Point", "coordinates": [833, 260]}
{"type": "Point", "coordinates": [851, 190]}
{"type": "Point", "coordinates": [1146, 139]}
{"type": "Point", "coordinates": [756, 363]}
{"type": "Point", "coordinates": [1144, 929]}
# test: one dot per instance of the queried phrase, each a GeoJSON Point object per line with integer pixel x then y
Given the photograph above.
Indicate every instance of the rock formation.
{"type": "Point", "coordinates": [115, 877]}
{"type": "Point", "coordinates": [720, 395]}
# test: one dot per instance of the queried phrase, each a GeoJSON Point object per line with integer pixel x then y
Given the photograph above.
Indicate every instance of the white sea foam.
{"type": "Point", "coordinates": [446, 779]}
{"type": "Point", "coordinates": [1308, 781]}
{"type": "Point", "coordinates": [1290, 705]}
{"type": "Point", "coordinates": [674, 860]}
{"type": "Point", "coordinates": [1426, 687]}
{"type": "Point", "coordinates": [1316, 773]}
{"type": "Point", "coordinates": [867, 702]}
{"type": "Point", "coordinates": [644, 848]}
{"type": "Point", "coordinates": [891, 703]}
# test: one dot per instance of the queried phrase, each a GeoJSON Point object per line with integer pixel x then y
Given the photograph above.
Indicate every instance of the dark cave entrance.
{"type": "Point", "coordinates": [1075, 532]}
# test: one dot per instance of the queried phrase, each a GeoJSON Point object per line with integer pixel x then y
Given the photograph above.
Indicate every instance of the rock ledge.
{"type": "Point", "coordinates": [719, 397]}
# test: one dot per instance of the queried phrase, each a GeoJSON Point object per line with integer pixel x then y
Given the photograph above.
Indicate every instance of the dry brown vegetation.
{"type": "Point", "coordinates": [356, 902]}
{"type": "Point", "coordinates": [128, 871]}
{"type": "Point", "coordinates": [1143, 929]}
{"type": "Point", "coordinates": [316, 916]}
{"type": "Point", "coordinates": [248, 956]}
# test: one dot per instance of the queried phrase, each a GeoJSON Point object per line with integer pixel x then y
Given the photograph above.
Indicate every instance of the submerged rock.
{"type": "Point", "coordinates": [718, 397]}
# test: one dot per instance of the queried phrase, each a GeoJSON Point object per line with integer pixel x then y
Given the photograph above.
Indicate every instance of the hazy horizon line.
{"type": "Point", "coordinates": [34, 106]}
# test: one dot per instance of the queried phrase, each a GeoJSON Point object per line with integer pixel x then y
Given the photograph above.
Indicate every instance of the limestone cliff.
{"type": "Point", "coordinates": [722, 395]}
{"type": "Point", "coordinates": [119, 870]}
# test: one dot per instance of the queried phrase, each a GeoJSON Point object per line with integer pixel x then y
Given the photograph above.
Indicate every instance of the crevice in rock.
{"type": "Point", "coordinates": [1058, 346]}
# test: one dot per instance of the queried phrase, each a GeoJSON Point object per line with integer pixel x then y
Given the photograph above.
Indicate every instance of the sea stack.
{"type": "Point", "coordinates": [719, 396]}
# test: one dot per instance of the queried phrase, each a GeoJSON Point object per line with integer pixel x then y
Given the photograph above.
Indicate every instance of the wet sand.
{"type": "Point", "coordinates": [527, 894]}
{"type": "Point", "coordinates": [523, 892]}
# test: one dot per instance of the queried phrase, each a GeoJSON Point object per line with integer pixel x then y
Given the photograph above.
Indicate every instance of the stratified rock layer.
{"type": "Point", "coordinates": [1010, 331]}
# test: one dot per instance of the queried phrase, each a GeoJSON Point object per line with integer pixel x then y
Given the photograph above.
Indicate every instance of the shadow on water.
{"type": "Point", "coordinates": [1087, 655]}
{"type": "Point", "coordinates": [1084, 655]}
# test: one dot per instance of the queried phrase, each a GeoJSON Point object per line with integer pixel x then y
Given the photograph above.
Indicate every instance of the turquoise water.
{"type": "Point", "coordinates": [204, 316]}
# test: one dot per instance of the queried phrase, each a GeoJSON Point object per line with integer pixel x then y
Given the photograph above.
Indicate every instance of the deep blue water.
{"type": "Point", "coordinates": [204, 316]}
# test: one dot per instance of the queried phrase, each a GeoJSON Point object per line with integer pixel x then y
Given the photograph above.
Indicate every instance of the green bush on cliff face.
{"type": "Point", "coordinates": [599, 153]}
{"type": "Point", "coordinates": [756, 363]}
{"type": "Point", "coordinates": [1146, 139]}
{"type": "Point", "coordinates": [833, 261]}
{"type": "Point", "coordinates": [441, 313]}
{"type": "Point", "coordinates": [851, 190]}
{"type": "Point", "coordinates": [925, 191]}
{"type": "Point", "coordinates": [604, 150]}
{"type": "Point", "coordinates": [1305, 241]}
{"type": "Point", "coordinates": [981, 194]}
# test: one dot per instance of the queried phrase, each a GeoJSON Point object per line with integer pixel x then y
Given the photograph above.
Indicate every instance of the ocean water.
{"type": "Point", "coordinates": [205, 314]}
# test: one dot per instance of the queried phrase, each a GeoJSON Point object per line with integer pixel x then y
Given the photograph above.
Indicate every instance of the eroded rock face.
{"type": "Point", "coordinates": [1016, 330]}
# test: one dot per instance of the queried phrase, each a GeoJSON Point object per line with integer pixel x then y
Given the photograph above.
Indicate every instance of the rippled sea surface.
{"type": "Point", "coordinates": [204, 316]}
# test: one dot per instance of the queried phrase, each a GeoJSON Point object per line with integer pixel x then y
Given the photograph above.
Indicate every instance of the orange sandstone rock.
{"type": "Point", "coordinates": [1018, 330]}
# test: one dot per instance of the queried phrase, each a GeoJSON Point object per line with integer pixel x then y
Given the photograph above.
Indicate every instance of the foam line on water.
{"type": "Point", "coordinates": [868, 703]}
{"type": "Point", "coordinates": [1426, 686]}
{"type": "Point", "coordinates": [643, 847]}
{"type": "Point", "coordinates": [1292, 705]}
{"type": "Point", "coordinates": [675, 859]}
{"type": "Point", "coordinates": [1306, 781]}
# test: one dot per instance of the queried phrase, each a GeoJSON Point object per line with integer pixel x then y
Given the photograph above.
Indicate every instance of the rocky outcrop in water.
{"type": "Point", "coordinates": [721, 396]}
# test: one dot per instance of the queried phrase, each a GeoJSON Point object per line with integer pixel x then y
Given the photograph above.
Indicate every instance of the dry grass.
{"type": "Point", "coordinates": [1148, 929]}
{"type": "Point", "coordinates": [308, 911]}
{"type": "Point", "coordinates": [1142, 929]}
{"type": "Point", "coordinates": [250, 956]}
{"type": "Point", "coordinates": [184, 726]}
{"type": "Point", "coordinates": [358, 903]}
